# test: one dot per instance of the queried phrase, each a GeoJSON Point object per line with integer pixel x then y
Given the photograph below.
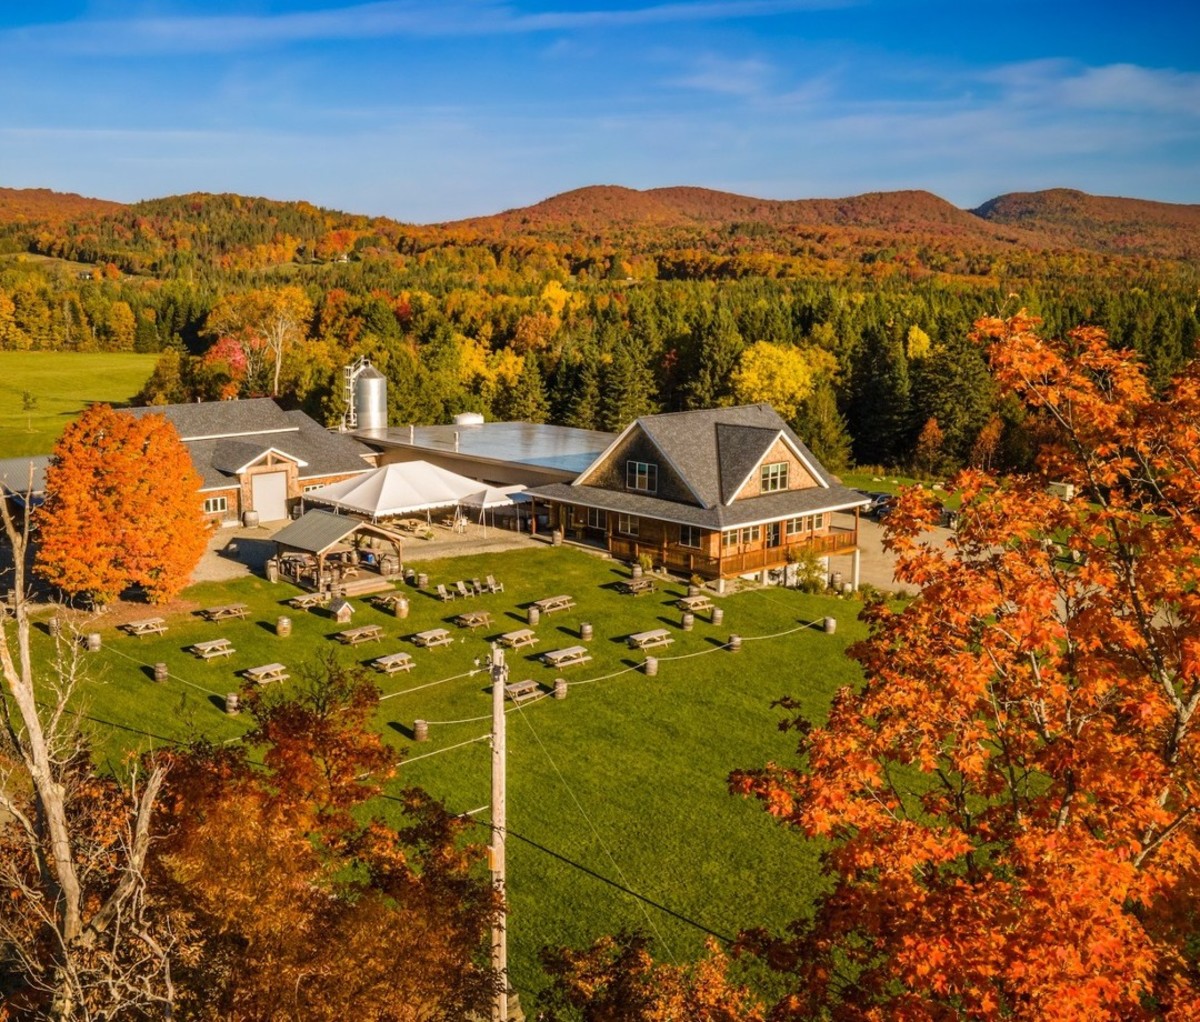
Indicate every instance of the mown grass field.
{"type": "Point", "coordinates": [622, 784]}
{"type": "Point", "coordinates": [63, 384]}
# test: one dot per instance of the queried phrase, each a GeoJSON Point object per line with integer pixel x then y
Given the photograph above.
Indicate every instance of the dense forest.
{"type": "Point", "coordinates": [591, 308]}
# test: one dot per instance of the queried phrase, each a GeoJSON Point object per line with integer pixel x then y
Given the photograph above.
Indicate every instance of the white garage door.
{"type": "Point", "coordinates": [269, 493]}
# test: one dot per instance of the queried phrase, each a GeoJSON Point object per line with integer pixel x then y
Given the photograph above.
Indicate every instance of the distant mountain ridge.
{"type": "Point", "coordinates": [1057, 219]}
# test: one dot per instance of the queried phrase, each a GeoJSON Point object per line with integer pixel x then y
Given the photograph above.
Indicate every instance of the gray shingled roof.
{"type": "Point", "coordinates": [222, 436]}
{"type": "Point", "coordinates": [210, 419]}
{"type": "Point", "coordinates": [316, 531]}
{"type": "Point", "coordinates": [768, 508]}
{"type": "Point", "coordinates": [715, 449]}
{"type": "Point", "coordinates": [14, 474]}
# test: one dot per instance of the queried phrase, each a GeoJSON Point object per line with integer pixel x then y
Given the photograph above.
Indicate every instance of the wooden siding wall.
{"type": "Point", "coordinates": [610, 474]}
{"type": "Point", "coordinates": [799, 477]}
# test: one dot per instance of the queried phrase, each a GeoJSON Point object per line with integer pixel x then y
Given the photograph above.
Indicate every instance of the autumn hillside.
{"type": "Point", "coordinates": [683, 232]}
{"type": "Point", "coordinates": [1102, 223]}
{"type": "Point", "coordinates": [41, 205]}
{"type": "Point", "coordinates": [601, 207]}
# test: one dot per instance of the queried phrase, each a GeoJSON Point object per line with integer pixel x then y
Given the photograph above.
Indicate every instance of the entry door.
{"type": "Point", "coordinates": [774, 534]}
{"type": "Point", "coordinates": [269, 493]}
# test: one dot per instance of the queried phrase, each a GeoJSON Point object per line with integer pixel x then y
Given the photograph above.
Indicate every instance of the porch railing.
{"type": "Point", "coordinates": [732, 562]}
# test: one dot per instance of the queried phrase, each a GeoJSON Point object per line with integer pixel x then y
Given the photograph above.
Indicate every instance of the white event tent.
{"type": "Point", "coordinates": [399, 489]}
{"type": "Point", "coordinates": [492, 497]}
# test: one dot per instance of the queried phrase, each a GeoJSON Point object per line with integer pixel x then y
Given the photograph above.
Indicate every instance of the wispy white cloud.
{"type": "Point", "coordinates": [1111, 87]}
{"type": "Point", "coordinates": [155, 35]}
{"type": "Point", "coordinates": [711, 73]}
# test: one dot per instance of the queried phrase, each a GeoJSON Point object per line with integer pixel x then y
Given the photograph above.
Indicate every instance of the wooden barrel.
{"type": "Point", "coordinates": [160, 672]}
{"type": "Point", "coordinates": [693, 590]}
{"type": "Point", "coordinates": [651, 667]}
{"type": "Point", "coordinates": [400, 607]}
{"type": "Point", "coordinates": [231, 704]}
{"type": "Point", "coordinates": [93, 642]}
{"type": "Point", "coordinates": [54, 627]}
{"type": "Point", "coordinates": [735, 644]}
{"type": "Point", "coordinates": [586, 631]}
{"type": "Point", "coordinates": [420, 731]}
{"type": "Point", "coordinates": [689, 621]}
{"type": "Point", "coordinates": [422, 580]}
{"type": "Point", "coordinates": [830, 625]}
{"type": "Point", "coordinates": [560, 688]}
{"type": "Point", "coordinates": [718, 615]}
{"type": "Point", "coordinates": [283, 627]}
{"type": "Point", "coordinates": [272, 569]}
{"type": "Point", "coordinates": [635, 571]}
{"type": "Point", "coordinates": [535, 615]}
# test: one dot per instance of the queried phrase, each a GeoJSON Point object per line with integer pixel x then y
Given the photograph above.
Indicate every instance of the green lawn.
{"type": "Point", "coordinates": [63, 384]}
{"type": "Point", "coordinates": [624, 779]}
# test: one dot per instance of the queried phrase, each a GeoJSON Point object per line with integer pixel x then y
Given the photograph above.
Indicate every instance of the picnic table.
{"type": "Point", "coordinates": [229, 610]}
{"type": "Point", "coordinates": [521, 637]}
{"type": "Point", "coordinates": [566, 657]}
{"type": "Point", "coordinates": [433, 637]}
{"type": "Point", "coordinates": [393, 662]}
{"type": "Point", "coordinates": [363, 633]}
{"type": "Point", "coordinates": [473, 619]}
{"type": "Point", "coordinates": [646, 640]}
{"type": "Point", "coordinates": [147, 626]}
{"type": "Point", "coordinates": [387, 601]}
{"type": "Point", "coordinates": [694, 603]}
{"type": "Point", "coordinates": [519, 691]}
{"type": "Point", "coordinates": [552, 603]}
{"type": "Point", "coordinates": [637, 586]}
{"type": "Point", "coordinates": [266, 673]}
{"type": "Point", "coordinates": [213, 648]}
{"type": "Point", "coordinates": [309, 600]}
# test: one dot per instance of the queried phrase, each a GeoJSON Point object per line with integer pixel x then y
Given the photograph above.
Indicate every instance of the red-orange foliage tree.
{"type": "Point", "coordinates": [122, 508]}
{"type": "Point", "coordinates": [1011, 797]}
{"type": "Point", "coordinates": [616, 980]}
{"type": "Point", "coordinates": [297, 903]}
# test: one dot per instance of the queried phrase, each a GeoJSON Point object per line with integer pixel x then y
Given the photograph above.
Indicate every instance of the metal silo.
{"type": "Point", "coordinates": [370, 399]}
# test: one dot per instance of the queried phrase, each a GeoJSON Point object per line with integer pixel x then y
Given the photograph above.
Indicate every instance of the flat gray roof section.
{"type": "Point", "coordinates": [562, 448]}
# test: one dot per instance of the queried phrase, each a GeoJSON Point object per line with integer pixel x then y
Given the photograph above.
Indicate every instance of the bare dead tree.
{"type": "Point", "coordinates": [78, 937]}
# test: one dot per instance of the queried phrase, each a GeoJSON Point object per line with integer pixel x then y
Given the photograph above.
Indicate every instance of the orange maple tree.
{"type": "Point", "coordinates": [122, 508]}
{"type": "Point", "coordinates": [617, 980]}
{"type": "Point", "coordinates": [298, 900]}
{"type": "Point", "coordinates": [1010, 799]}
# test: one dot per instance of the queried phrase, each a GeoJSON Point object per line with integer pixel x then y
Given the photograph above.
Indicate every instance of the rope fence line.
{"type": "Point", "coordinates": [176, 677]}
{"type": "Point", "coordinates": [449, 748]}
{"type": "Point", "coordinates": [431, 684]}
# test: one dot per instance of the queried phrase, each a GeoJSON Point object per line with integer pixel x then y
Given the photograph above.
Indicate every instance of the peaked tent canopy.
{"type": "Point", "coordinates": [495, 496]}
{"type": "Point", "coordinates": [396, 490]}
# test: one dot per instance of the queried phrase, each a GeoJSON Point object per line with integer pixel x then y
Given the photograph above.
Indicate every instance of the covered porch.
{"type": "Point", "coordinates": [325, 552]}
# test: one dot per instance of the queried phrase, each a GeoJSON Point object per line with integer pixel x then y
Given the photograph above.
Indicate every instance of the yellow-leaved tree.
{"type": "Point", "coordinates": [781, 375]}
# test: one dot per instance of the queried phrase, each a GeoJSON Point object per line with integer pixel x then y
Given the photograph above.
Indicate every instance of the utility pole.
{"type": "Point", "coordinates": [499, 823]}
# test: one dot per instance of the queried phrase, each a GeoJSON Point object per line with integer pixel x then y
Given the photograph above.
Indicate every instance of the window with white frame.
{"type": "Point", "coordinates": [774, 477]}
{"type": "Point", "coordinates": [309, 487]}
{"type": "Point", "coordinates": [215, 505]}
{"type": "Point", "coordinates": [730, 538]}
{"type": "Point", "coordinates": [803, 524]}
{"type": "Point", "coordinates": [595, 518]}
{"type": "Point", "coordinates": [627, 525]}
{"type": "Point", "coordinates": [689, 535]}
{"type": "Point", "coordinates": [751, 534]}
{"type": "Point", "coordinates": [641, 475]}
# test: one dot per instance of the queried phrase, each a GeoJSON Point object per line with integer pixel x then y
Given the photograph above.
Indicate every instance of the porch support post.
{"type": "Point", "coordinates": [856, 561]}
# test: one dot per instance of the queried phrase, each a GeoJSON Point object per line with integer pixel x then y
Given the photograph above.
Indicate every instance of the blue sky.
{"type": "Point", "coordinates": [429, 111]}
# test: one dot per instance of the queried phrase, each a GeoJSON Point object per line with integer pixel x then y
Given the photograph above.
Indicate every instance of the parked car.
{"type": "Point", "coordinates": [881, 503]}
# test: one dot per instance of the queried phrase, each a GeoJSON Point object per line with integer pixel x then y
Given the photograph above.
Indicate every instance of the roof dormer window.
{"type": "Point", "coordinates": [774, 477]}
{"type": "Point", "coordinates": [641, 476]}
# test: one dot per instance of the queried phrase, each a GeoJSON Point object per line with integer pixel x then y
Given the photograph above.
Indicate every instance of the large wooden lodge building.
{"type": "Point", "coordinates": [716, 493]}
